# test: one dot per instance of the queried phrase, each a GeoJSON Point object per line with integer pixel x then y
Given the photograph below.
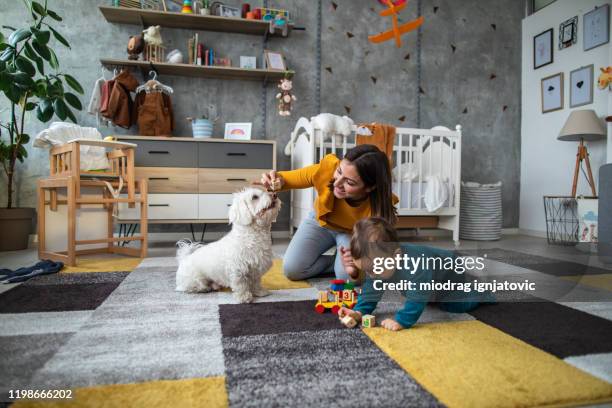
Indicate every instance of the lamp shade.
{"type": "Point", "coordinates": [582, 124]}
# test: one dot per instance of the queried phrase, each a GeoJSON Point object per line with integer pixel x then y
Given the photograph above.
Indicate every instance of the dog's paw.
{"type": "Point", "coordinates": [244, 297]}
{"type": "Point", "coordinates": [261, 292]}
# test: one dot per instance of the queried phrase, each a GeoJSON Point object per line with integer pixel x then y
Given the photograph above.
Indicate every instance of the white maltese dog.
{"type": "Point", "coordinates": [240, 258]}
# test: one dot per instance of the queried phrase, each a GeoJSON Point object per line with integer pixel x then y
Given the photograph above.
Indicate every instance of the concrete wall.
{"type": "Point", "coordinates": [547, 164]}
{"type": "Point", "coordinates": [473, 84]}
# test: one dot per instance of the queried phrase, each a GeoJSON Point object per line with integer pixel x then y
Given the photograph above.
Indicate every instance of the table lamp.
{"type": "Point", "coordinates": [581, 126]}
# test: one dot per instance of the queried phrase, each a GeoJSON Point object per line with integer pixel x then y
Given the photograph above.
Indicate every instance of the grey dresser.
{"type": "Point", "coordinates": [192, 180]}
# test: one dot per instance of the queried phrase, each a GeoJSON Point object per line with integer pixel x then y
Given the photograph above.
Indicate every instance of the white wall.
{"type": "Point", "coordinates": [546, 163]}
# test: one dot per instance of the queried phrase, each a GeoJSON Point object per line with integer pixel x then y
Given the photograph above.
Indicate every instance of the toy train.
{"type": "Point", "coordinates": [340, 294]}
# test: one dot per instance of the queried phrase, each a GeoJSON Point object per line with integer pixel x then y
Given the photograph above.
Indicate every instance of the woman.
{"type": "Point", "coordinates": [356, 187]}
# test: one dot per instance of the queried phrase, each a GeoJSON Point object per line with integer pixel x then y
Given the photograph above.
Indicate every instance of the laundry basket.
{"type": "Point", "coordinates": [481, 211]}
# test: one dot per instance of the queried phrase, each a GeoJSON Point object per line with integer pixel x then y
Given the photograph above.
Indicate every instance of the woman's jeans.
{"type": "Point", "coordinates": [304, 256]}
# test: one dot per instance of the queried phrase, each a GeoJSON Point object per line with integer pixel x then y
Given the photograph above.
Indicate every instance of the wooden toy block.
{"type": "Point", "coordinates": [348, 321]}
{"type": "Point", "coordinates": [368, 321]}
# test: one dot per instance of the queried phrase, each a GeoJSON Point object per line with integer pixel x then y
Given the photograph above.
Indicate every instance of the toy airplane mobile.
{"type": "Point", "coordinates": [397, 30]}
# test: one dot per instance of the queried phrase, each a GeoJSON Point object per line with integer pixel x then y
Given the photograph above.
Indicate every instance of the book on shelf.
{"type": "Point", "coordinates": [200, 51]}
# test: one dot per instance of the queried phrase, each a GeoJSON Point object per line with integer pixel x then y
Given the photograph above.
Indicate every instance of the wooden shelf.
{"type": "Point", "coordinates": [189, 21]}
{"type": "Point", "coordinates": [200, 70]}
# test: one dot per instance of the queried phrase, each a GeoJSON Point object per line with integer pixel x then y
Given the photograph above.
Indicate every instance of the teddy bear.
{"type": "Point", "coordinates": [135, 46]}
{"type": "Point", "coordinates": [152, 36]}
{"type": "Point", "coordinates": [285, 97]}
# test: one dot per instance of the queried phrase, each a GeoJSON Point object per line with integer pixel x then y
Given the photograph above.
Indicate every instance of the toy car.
{"type": "Point", "coordinates": [340, 294]}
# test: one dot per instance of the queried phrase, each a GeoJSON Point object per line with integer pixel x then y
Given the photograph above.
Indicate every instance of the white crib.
{"type": "Point", "coordinates": [425, 152]}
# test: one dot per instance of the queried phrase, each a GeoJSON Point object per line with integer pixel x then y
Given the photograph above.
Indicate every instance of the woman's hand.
{"type": "Point", "coordinates": [348, 263]}
{"type": "Point", "coordinates": [391, 324]}
{"type": "Point", "coordinates": [271, 181]}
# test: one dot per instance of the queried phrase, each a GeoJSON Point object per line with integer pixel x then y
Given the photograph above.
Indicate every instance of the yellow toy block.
{"type": "Point", "coordinates": [368, 321]}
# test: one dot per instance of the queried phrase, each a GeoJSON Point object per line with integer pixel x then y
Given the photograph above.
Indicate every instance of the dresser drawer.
{"type": "Point", "coordinates": [151, 153]}
{"type": "Point", "coordinates": [169, 180]}
{"type": "Point", "coordinates": [236, 155]}
{"type": "Point", "coordinates": [164, 207]}
{"type": "Point", "coordinates": [214, 206]}
{"type": "Point", "coordinates": [227, 180]}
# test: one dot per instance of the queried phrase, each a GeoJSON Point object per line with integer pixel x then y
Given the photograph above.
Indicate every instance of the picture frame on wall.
{"type": "Point", "coordinates": [596, 27]}
{"type": "Point", "coordinates": [248, 62]}
{"type": "Point", "coordinates": [229, 11]}
{"type": "Point", "coordinates": [568, 32]}
{"type": "Point", "coordinates": [552, 93]}
{"type": "Point", "coordinates": [581, 86]}
{"type": "Point", "coordinates": [543, 49]}
{"type": "Point", "coordinates": [275, 60]}
{"type": "Point", "coordinates": [238, 131]}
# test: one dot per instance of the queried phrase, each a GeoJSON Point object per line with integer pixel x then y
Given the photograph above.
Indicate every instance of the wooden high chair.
{"type": "Point", "coordinates": [66, 174]}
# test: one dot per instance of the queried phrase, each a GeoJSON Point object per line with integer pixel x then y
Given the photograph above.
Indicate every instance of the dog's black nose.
{"type": "Point", "coordinates": [274, 196]}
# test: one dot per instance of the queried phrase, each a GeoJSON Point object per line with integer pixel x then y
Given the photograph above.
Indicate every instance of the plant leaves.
{"type": "Point", "coordinates": [30, 106]}
{"type": "Point", "coordinates": [4, 81]}
{"type": "Point", "coordinates": [38, 8]}
{"type": "Point", "coordinates": [1, 37]}
{"type": "Point", "coordinates": [24, 139]}
{"type": "Point", "coordinates": [3, 46]}
{"type": "Point", "coordinates": [29, 51]}
{"type": "Point", "coordinates": [41, 50]}
{"type": "Point", "coordinates": [71, 116]}
{"type": "Point", "coordinates": [73, 100]}
{"type": "Point", "coordinates": [74, 84]}
{"type": "Point", "coordinates": [9, 27]}
{"type": "Point", "coordinates": [7, 54]}
{"type": "Point", "coordinates": [60, 108]}
{"type": "Point", "coordinates": [25, 65]}
{"type": "Point", "coordinates": [22, 78]}
{"type": "Point", "coordinates": [53, 60]}
{"type": "Point", "coordinates": [19, 35]}
{"type": "Point", "coordinates": [54, 15]}
{"type": "Point", "coordinates": [13, 93]}
{"type": "Point", "coordinates": [44, 111]}
{"type": "Point", "coordinates": [42, 36]}
{"type": "Point", "coordinates": [59, 37]}
{"type": "Point", "coordinates": [40, 64]}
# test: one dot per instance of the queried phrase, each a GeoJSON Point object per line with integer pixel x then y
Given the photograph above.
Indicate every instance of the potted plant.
{"type": "Point", "coordinates": [203, 127]}
{"type": "Point", "coordinates": [30, 83]}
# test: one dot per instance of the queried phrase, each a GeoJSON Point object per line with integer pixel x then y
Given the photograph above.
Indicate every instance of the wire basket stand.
{"type": "Point", "coordinates": [561, 214]}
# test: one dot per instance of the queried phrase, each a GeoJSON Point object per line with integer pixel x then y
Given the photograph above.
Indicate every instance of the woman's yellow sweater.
{"type": "Point", "coordinates": [330, 212]}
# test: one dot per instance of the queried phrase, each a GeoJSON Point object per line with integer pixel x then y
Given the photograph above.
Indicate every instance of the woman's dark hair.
{"type": "Point", "coordinates": [373, 235]}
{"type": "Point", "coordinates": [375, 171]}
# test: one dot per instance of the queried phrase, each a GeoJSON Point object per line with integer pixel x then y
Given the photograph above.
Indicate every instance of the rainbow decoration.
{"type": "Point", "coordinates": [187, 9]}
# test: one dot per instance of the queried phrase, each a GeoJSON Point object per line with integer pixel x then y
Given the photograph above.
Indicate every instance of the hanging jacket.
{"type": "Point", "coordinates": [120, 102]}
{"type": "Point", "coordinates": [153, 113]}
{"type": "Point", "coordinates": [105, 92]}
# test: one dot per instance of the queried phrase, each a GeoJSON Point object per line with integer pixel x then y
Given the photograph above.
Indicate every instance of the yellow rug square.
{"type": "Point", "coordinates": [196, 392]}
{"type": "Point", "coordinates": [275, 279]}
{"type": "Point", "coordinates": [471, 364]}
{"type": "Point", "coordinates": [110, 263]}
{"type": "Point", "coordinates": [603, 281]}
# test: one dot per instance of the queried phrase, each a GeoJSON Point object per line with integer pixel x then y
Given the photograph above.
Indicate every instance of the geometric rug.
{"type": "Point", "coordinates": [129, 339]}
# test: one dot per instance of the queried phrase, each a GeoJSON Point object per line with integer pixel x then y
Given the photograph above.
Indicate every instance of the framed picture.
{"type": "Point", "coordinates": [552, 93]}
{"type": "Point", "coordinates": [228, 11]}
{"type": "Point", "coordinates": [248, 62]}
{"type": "Point", "coordinates": [238, 131]}
{"type": "Point", "coordinates": [568, 31]}
{"type": "Point", "coordinates": [581, 86]}
{"type": "Point", "coordinates": [275, 60]}
{"type": "Point", "coordinates": [596, 29]}
{"type": "Point", "coordinates": [173, 5]}
{"type": "Point", "coordinates": [543, 49]}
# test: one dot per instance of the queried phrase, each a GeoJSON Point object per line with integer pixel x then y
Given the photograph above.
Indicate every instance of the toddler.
{"type": "Point", "coordinates": [376, 251]}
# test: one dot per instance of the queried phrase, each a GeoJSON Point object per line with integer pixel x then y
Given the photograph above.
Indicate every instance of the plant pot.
{"type": "Point", "coordinates": [16, 225]}
{"type": "Point", "coordinates": [202, 128]}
